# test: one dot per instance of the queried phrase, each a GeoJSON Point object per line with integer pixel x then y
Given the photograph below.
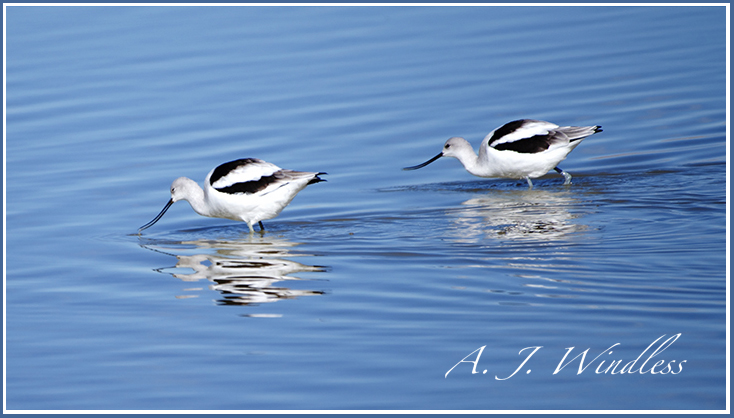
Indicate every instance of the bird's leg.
{"type": "Point", "coordinates": [262, 228]}
{"type": "Point", "coordinates": [252, 230]}
{"type": "Point", "coordinates": [565, 175]}
{"type": "Point", "coordinates": [530, 183]}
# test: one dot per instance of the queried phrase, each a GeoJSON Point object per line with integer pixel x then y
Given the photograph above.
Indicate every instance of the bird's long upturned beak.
{"type": "Point", "coordinates": [415, 167]}
{"type": "Point", "coordinates": [160, 215]}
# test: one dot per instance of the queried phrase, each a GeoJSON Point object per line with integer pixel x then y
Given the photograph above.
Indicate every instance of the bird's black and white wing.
{"type": "Point", "coordinates": [532, 136]}
{"type": "Point", "coordinates": [254, 176]}
{"type": "Point", "coordinates": [524, 136]}
{"type": "Point", "coordinates": [247, 175]}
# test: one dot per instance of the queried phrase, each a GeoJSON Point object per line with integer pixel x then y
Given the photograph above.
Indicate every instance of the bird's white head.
{"type": "Point", "coordinates": [183, 188]}
{"type": "Point", "coordinates": [456, 147]}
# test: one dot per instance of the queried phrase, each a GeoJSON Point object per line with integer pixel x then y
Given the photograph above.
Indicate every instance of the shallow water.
{"type": "Point", "coordinates": [370, 287]}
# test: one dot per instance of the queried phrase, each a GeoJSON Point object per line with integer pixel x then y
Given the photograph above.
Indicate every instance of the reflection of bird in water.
{"type": "Point", "coordinates": [522, 149]}
{"type": "Point", "coordinates": [244, 282]}
{"type": "Point", "coordinates": [247, 190]}
{"type": "Point", "coordinates": [207, 266]}
{"type": "Point", "coordinates": [531, 214]}
{"type": "Point", "coordinates": [243, 272]}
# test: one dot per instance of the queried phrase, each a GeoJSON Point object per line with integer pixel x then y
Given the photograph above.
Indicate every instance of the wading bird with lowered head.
{"type": "Point", "coordinates": [521, 149]}
{"type": "Point", "coordinates": [248, 190]}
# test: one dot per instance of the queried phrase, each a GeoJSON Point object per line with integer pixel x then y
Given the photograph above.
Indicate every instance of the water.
{"type": "Point", "coordinates": [370, 287]}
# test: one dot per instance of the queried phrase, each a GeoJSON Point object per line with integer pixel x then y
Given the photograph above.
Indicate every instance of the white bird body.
{"type": "Point", "coordinates": [248, 190]}
{"type": "Point", "coordinates": [520, 149]}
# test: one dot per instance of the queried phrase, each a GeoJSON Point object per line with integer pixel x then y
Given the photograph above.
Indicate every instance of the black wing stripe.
{"type": "Point", "coordinates": [532, 145]}
{"type": "Point", "coordinates": [227, 168]}
{"type": "Point", "coordinates": [507, 129]}
{"type": "Point", "coordinates": [250, 187]}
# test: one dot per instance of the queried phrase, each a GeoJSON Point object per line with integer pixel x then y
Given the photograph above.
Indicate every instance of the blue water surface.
{"type": "Point", "coordinates": [369, 287]}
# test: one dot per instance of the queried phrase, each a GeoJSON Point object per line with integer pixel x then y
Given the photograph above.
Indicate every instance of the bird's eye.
{"type": "Point", "coordinates": [447, 146]}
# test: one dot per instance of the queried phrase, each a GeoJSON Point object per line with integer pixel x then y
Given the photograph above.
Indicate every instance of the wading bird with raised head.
{"type": "Point", "coordinates": [248, 190]}
{"type": "Point", "coordinates": [521, 149]}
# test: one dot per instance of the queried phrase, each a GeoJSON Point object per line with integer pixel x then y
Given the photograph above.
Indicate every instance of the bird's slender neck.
{"type": "Point", "coordinates": [195, 196]}
{"type": "Point", "coordinates": [470, 160]}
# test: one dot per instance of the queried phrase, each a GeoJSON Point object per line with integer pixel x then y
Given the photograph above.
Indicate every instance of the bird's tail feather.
{"type": "Point", "coordinates": [316, 178]}
{"type": "Point", "coordinates": [575, 133]}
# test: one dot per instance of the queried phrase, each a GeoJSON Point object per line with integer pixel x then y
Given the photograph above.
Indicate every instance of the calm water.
{"type": "Point", "coordinates": [370, 287]}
